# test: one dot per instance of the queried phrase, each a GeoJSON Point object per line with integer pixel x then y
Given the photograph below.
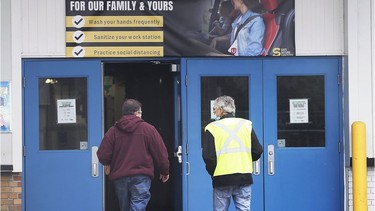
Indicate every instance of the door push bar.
{"type": "Point", "coordinates": [271, 160]}
{"type": "Point", "coordinates": [256, 165]}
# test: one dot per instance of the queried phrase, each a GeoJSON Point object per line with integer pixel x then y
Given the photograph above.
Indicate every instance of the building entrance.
{"type": "Point", "coordinates": [293, 104]}
{"type": "Point", "coordinates": [154, 86]}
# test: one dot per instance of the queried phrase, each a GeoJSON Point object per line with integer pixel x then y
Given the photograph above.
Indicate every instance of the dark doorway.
{"type": "Point", "coordinates": [153, 85]}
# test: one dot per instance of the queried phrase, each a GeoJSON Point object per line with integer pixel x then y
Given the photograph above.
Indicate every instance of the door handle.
{"type": "Point", "coordinates": [187, 168]}
{"type": "Point", "coordinates": [178, 154]}
{"type": "Point", "coordinates": [256, 165]}
{"type": "Point", "coordinates": [94, 162]}
{"type": "Point", "coordinates": [271, 160]}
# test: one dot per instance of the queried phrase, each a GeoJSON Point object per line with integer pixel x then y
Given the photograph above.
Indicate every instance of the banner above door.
{"type": "Point", "coordinates": [143, 28]}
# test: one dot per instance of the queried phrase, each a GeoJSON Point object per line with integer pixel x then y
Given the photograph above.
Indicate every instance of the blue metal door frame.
{"type": "Point", "coordinates": [185, 104]}
{"type": "Point", "coordinates": [330, 67]}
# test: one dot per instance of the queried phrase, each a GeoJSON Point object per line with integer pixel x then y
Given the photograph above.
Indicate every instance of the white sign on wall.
{"type": "Point", "coordinates": [299, 110]}
{"type": "Point", "coordinates": [66, 111]}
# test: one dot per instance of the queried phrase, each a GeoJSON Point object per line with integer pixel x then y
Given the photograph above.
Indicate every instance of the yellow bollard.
{"type": "Point", "coordinates": [359, 163]}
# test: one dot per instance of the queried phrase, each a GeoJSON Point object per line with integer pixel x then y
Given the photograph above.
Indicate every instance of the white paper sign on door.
{"type": "Point", "coordinates": [213, 116]}
{"type": "Point", "coordinates": [66, 111]}
{"type": "Point", "coordinates": [299, 111]}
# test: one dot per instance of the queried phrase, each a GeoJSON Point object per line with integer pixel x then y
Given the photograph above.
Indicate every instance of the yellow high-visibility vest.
{"type": "Point", "coordinates": [233, 145]}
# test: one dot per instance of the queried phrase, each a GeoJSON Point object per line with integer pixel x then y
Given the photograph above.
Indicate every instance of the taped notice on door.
{"type": "Point", "coordinates": [299, 111]}
{"type": "Point", "coordinates": [66, 111]}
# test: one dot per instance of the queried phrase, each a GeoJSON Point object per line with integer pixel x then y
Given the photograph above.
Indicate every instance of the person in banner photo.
{"type": "Point", "coordinates": [222, 27]}
{"type": "Point", "coordinates": [248, 29]}
{"type": "Point", "coordinates": [260, 28]}
{"type": "Point", "coordinates": [229, 147]}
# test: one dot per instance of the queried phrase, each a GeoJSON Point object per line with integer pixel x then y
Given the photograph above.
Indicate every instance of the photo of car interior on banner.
{"type": "Point", "coordinates": [180, 28]}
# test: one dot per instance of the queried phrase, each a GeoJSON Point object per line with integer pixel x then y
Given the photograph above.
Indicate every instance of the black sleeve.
{"type": "Point", "coordinates": [209, 152]}
{"type": "Point", "coordinates": [256, 148]}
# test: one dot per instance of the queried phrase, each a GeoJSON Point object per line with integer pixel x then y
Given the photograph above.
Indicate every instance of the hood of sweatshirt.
{"type": "Point", "coordinates": [128, 123]}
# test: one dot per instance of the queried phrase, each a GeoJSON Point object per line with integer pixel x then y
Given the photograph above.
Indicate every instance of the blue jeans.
{"type": "Point", "coordinates": [133, 192]}
{"type": "Point", "coordinates": [241, 197]}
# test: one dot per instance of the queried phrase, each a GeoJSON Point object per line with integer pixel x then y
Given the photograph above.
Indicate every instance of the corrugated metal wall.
{"type": "Point", "coordinates": [5, 38]}
{"type": "Point", "coordinates": [319, 27]}
{"type": "Point", "coordinates": [43, 28]}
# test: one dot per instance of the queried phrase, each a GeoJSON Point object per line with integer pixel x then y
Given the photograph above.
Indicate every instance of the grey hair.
{"type": "Point", "coordinates": [226, 103]}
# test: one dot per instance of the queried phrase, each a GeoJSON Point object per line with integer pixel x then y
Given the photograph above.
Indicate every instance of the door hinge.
{"type": "Point", "coordinates": [24, 151]}
{"type": "Point", "coordinates": [24, 82]}
{"type": "Point", "coordinates": [187, 149]}
{"type": "Point", "coordinates": [186, 80]}
{"type": "Point", "coordinates": [338, 80]}
{"type": "Point", "coordinates": [339, 147]}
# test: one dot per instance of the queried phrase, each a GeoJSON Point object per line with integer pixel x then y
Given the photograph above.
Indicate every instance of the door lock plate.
{"type": "Point", "coordinates": [271, 159]}
{"type": "Point", "coordinates": [178, 154]}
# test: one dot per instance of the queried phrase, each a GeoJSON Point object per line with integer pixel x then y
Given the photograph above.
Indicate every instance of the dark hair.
{"type": "Point", "coordinates": [226, 6]}
{"type": "Point", "coordinates": [130, 106]}
{"type": "Point", "coordinates": [253, 5]}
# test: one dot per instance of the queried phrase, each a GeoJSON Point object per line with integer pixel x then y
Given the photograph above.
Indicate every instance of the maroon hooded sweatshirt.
{"type": "Point", "coordinates": [132, 147]}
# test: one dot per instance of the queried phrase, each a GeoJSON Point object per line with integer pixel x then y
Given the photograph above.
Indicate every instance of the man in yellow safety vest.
{"type": "Point", "coordinates": [229, 148]}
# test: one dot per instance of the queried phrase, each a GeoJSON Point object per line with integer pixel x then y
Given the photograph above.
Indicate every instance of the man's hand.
{"type": "Point", "coordinates": [164, 178]}
{"type": "Point", "coordinates": [107, 170]}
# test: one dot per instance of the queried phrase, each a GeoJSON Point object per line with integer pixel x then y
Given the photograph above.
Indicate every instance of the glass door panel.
{"type": "Point", "coordinates": [300, 111]}
{"type": "Point", "coordinates": [63, 114]}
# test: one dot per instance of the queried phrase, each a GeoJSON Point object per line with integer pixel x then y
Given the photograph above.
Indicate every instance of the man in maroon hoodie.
{"type": "Point", "coordinates": [131, 148]}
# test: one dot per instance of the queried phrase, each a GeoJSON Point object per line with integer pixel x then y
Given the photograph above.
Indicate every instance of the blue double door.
{"type": "Point", "coordinates": [68, 105]}
{"type": "Point", "coordinates": [292, 102]}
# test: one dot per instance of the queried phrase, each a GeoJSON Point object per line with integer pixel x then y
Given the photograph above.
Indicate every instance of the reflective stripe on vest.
{"type": "Point", "coordinates": [232, 137]}
{"type": "Point", "coordinates": [233, 145]}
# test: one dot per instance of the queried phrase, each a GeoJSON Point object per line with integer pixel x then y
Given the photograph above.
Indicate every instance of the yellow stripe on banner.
{"type": "Point", "coordinates": [114, 36]}
{"type": "Point", "coordinates": [126, 51]}
{"type": "Point", "coordinates": [114, 21]}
